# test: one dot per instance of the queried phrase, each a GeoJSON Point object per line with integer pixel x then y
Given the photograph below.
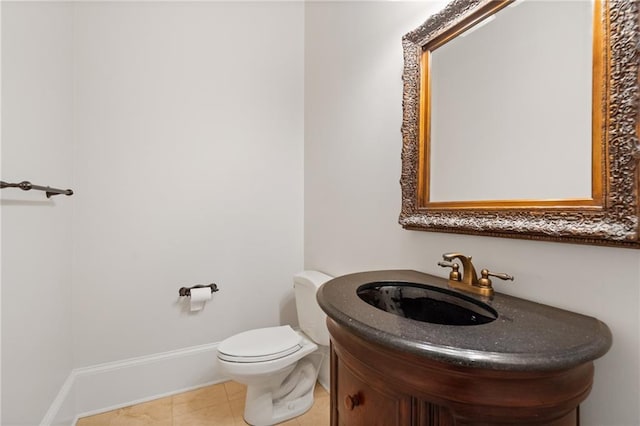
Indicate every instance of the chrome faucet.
{"type": "Point", "coordinates": [468, 280]}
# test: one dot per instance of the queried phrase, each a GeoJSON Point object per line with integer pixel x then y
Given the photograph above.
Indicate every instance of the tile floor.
{"type": "Point", "coordinates": [219, 405]}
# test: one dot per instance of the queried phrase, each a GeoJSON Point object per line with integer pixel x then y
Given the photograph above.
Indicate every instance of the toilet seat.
{"type": "Point", "coordinates": [259, 345]}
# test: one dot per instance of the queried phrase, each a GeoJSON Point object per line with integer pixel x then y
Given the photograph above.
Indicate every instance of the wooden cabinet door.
{"type": "Point", "coordinates": [358, 404]}
{"type": "Point", "coordinates": [372, 385]}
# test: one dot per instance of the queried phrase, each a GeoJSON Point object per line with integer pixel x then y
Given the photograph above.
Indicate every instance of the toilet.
{"type": "Point", "coordinates": [280, 365]}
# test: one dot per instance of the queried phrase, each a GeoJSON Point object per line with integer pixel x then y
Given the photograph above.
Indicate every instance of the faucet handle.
{"type": "Point", "coordinates": [485, 281]}
{"type": "Point", "coordinates": [454, 275]}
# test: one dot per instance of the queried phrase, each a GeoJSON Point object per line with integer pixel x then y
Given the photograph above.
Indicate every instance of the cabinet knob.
{"type": "Point", "coordinates": [352, 401]}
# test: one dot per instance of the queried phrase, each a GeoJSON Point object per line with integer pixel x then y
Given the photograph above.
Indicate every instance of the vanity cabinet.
{"type": "Point", "coordinates": [363, 404]}
{"type": "Point", "coordinates": [528, 364]}
{"type": "Point", "coordinates": [375, 385]}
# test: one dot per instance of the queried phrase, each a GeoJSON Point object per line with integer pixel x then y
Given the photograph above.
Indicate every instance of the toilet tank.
{"type": "Point", "coordinates": [312, 319]}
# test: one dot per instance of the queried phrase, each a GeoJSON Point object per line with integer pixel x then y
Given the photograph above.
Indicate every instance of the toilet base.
{"type": "Point", "coordinates": [262, 410]}
{"type": "Point", "coordinates": [266, 413]}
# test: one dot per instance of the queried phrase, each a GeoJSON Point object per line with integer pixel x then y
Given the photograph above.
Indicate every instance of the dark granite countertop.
{"type": "Point", "coordinates": [526, 336]}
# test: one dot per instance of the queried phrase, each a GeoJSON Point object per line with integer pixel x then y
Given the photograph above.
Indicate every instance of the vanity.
{"type": "Point", "coordinates": [407, 349]}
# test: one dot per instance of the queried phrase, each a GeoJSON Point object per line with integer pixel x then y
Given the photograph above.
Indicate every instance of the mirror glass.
{"type": "Point", "coordinates": [520, 120]}
{"type": "Point", "coordinates": [511, 106]}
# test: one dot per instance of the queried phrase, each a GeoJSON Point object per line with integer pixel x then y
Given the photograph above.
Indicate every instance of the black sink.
{"type": "Point", "coordinates": [426, 303]}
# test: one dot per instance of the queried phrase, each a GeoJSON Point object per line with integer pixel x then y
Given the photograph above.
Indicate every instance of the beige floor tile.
{"type": "Point", "coordinates": [157, 412]}
{"type": "Point", "coordinates": [237, 408]}
{"type": "Point", "coordinates": [103, 419]}
{"type": "Point", "coordinates": [319, 391]}
{"type": "Point", "coordinates": [217, 405]}
{"type": "Point", "coordinates": [210, 396]}
{"type": "Point", "coordinates": [239, 421]}
{"type": "Point", "coordinates": [235, 390]}
{"type": "Point", "coordinates": [219, 415]}
{"type": "Point", "coordinates": [292, 422]}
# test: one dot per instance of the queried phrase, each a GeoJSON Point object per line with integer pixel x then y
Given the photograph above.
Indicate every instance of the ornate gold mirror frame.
{"type": "Point", "coordinates": [610, 216]}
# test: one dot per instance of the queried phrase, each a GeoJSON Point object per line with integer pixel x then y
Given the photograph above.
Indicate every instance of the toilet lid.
{"type": "Point", "coordinates": [262, 344]}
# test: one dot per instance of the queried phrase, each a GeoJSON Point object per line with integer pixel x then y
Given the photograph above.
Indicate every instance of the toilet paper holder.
{"type": "Point", "coordinates": [186, 291]}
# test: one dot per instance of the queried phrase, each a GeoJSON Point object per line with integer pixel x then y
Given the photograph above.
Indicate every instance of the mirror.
{"type": "Point", "coordinates": [482, 78]}
{"type": "Point", "coordinates": [520, 119]}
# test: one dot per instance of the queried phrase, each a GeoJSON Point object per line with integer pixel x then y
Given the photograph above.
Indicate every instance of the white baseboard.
{"type": "Point", "coordinates": [104, 387]}
{"type": "Point", "coordinates": [113, 385]}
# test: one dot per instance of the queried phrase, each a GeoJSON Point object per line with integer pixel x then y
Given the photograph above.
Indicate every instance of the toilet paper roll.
{"type": "Point", "coordinates": [199, 297]}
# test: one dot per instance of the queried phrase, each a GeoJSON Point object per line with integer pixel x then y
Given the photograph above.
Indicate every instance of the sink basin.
{"type": "Point", "coordinates": [426, 303]}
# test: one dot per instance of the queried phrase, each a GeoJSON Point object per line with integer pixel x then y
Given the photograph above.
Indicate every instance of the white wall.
{"type": "Point", "coordinates": [189, 170]}
{"type": "Point", "coordinates": [37, 136]}
{"type": "Point", "coordinates": [353, 98]}
{"type": "Point", "coordinates": [180, 128]}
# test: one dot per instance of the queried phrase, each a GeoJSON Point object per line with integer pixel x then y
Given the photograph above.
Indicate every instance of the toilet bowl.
{"type": "Point", "coordinates": [280, 365]}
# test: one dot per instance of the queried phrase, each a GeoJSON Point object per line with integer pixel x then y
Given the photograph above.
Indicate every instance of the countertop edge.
{"type": "Point", "coordinates": [512, 361]}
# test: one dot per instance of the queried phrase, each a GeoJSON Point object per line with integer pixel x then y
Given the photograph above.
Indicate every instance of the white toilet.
{"type": "Point", "coordinates": [278, 364]}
